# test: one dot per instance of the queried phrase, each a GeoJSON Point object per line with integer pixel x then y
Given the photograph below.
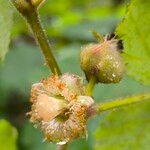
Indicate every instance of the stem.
{"type": "Point", "coordinates": [34, 21]}
{"type": "Point", "coordinates": [90, 86]}
{"type": "Point", "coordinates": [122, 102]}
{"type": "Point", "coordinates": [62, 147]}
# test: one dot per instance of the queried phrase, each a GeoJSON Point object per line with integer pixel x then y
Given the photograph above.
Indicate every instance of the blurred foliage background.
{"type": "Point", "coordinates": [68, 25]}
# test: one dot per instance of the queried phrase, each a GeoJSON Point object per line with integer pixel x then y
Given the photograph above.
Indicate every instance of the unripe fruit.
{"type": "Point", "coordinates": [60, 107]}
{"type": "Point", "coordinates": [103, 60]}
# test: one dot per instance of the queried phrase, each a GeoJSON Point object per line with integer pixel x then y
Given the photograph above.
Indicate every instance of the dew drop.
{"type": "Point", "coordinates": [44, 140]}
{"type": "Point", "coordinates": [110, 58]}
{"type": "Point", "coordinates": [35, 126]}
{"type": "Point", "coordinates": [62, 143]}
{"type": "Point", "coordinates": [113, 75]}
{"type": "Point", "coordinates": [86, 134]}
{"type": "Point", "coordinates": [111, 79]}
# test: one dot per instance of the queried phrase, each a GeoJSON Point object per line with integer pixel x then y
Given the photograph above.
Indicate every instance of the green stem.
{"type": "Point", "coordinates": [62, 147]}
{"type": "Point", "coordinates": [122, 102]}
{"type": "Point", "coordinates": [34, 21]}
{"type": "Point", "coordinates": [90, 86]}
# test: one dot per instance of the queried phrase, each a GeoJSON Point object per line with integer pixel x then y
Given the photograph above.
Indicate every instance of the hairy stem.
{"type": "Point", "coordinates": [122, 102]}
{"type": "Point", "coordinates": [62, 147]}
{"type": "Point", "coordinates": [90, 86]}
{"type": "Point", "coordinates": [41, 38]}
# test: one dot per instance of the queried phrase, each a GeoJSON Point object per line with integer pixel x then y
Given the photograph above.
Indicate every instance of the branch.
{"type": "Point", "coordinates": [41, 38]}
{"type": "Point", "coordinates": [90, 86]}
{"type": "Point", "coordinates": [29, 10]}
{"type": "Point", "coordinates": [122, 102]}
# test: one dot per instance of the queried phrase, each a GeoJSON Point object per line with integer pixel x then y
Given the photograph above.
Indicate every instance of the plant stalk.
{"type": "Point", "coordinates": [122, 102]}
{"type": "Point", "coordinates": [90, 86]}
{"type": "Point", "coordinates": [33, 20]}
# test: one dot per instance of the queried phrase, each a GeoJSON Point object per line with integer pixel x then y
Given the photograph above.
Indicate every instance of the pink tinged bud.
{"type": "Point", "coordinates": [59, 107]}
{"type": "Point", "coordinates": [74, 127]}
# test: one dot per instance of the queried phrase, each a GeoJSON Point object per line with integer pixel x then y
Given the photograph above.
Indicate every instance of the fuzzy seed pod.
{"type": "Point", "coordinates": [103, 60]}
{"type": "Point", "coordinates": [59, 107]}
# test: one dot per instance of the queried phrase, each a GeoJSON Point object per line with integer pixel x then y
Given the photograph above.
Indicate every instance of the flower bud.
{"type": "Point", "coordinates": [37, 3]}
{"type": "Point", "coordinates": [26, 6]}
{"type": "Point", "coordinates": [59, 107]}
{"type": "Point", "coordinates": [103, 60]}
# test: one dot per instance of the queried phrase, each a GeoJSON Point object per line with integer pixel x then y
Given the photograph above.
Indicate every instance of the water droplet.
{"type": "Point", "coordinates": [113, 75]}
{"type": "Point", "coordinates": [86, 134]}
{"type": "Point", "coordinates": [44, 140]}
{"type": "Point", "coordinates": [110, 58]}
{"type": "Point", "coordinates": [35, 126]}
{"type": "Point", "coordinates": [62, 143]}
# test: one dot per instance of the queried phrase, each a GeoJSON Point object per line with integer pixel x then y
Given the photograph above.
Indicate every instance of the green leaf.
{"type": "Point", "coordinates": [134, 30]}
{"type": "Point", "coordinates": [125, 129]}
{"type": "Point", "coordinates": [6, 21]}
{"type": "Point", "coordinates": [8, 136]}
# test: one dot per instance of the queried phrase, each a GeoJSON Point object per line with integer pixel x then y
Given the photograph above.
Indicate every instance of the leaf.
{"type": "Point", "coordinates": [6, 21]}
{"type": "Point", "coordinates": [134, 30]}
{"type": "Point", "coordinates": [8, 136]}
{"type": "Point", "coordinates": [125, 129]}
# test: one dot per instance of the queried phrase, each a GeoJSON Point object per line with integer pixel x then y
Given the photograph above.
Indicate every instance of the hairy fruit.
{"type": "Point", "coordinates": [103, 60]}
{"type": "Point", "coordinates": [59, 107]}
